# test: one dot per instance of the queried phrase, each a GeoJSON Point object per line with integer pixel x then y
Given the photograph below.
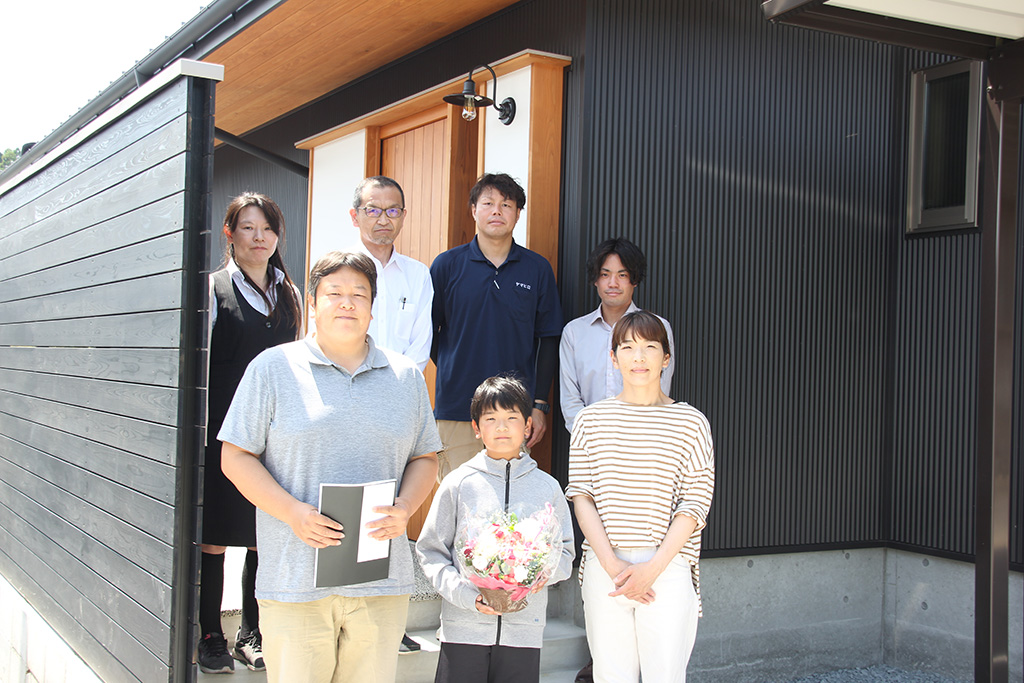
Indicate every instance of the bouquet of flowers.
{"type": "Point", "coordinates": [506, 554]}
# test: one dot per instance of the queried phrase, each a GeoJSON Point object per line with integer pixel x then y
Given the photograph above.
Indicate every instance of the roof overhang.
{"type": "Point", "coordinates": [971, 30]}
{"type": "Point", "coordinates": [305, 49]}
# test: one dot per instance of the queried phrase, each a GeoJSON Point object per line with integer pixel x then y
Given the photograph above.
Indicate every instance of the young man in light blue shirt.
{"type": "Point", "coordinates": [616, 267]}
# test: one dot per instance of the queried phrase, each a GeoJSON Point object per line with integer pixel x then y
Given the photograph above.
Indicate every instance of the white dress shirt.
{"type": "Point", "coordinates": [401, 310]}
{"type": "Point", "coordinates": [586, 371]}
{"type": "Point", "coordinates": [251, 295]}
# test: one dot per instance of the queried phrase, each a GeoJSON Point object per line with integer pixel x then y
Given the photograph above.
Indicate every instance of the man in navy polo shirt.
{"type": "Point", "coordinates": [495, 311]}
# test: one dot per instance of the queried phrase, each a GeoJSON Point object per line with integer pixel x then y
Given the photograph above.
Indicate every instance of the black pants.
{"type": "Point", "coordinates": [460, 663]}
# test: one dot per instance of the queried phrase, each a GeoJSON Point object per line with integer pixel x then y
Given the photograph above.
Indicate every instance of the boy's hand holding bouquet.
{"type": "Point", "coordinates": [507, 555]}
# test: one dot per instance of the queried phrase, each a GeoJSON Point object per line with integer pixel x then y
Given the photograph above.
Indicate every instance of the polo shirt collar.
{"type": "Point", "coordinates": [375, 358]}
{"type": "Point", "coordinates": [475, 254]}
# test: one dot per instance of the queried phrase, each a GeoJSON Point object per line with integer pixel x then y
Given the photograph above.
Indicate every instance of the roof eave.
{"type": "Point", "coordinates": [815, 14]}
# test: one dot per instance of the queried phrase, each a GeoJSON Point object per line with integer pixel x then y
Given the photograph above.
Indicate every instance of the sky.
{"type": "Point", "coordinates": [57, 55]}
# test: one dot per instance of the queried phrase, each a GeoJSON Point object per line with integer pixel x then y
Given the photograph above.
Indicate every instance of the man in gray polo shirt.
{"type": "Point", "coordinates": [331, 408]}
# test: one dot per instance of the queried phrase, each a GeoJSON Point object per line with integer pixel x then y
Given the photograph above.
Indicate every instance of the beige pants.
{"type": "Point", "coordinates": [459, 445]}
{"type": "Point", "coordinates": [333, 639]}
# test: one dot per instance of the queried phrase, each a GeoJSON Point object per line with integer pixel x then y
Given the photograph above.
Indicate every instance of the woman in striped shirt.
{"type": "Point", "coordinates": [641, 478]}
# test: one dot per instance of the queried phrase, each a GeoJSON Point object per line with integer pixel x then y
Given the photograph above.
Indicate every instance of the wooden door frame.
{"type": "Point", "coordinates": [465, 140]}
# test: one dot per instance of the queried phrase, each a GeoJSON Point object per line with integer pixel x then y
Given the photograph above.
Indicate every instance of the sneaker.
{"type": "Point", "coordinates": [213, 655]}
{"type": "Point", "coordinates": [408, 646]}
{"type": "Point", "coordinates": [249, 650]}
{"type": "Point", "coordinates": [586, 674]}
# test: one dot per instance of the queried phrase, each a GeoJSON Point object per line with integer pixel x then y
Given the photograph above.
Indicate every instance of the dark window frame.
{"type": "Point", "coordinates": [964, 212]}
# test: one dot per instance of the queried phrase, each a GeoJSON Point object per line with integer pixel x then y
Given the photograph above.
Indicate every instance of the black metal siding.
{"type": "Point", "coordinates": [1017, 474]}
{"type": "Point", "coordinates": [751, 163]}
{"type": "Point", "coordinates": [236, 172]}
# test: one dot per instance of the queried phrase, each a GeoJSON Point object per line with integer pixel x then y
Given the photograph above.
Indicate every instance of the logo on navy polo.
{"type": "Point", "coordinates": [523, 285]}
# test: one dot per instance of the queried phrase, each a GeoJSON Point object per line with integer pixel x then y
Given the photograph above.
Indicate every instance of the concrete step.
{"type": "Point", "coordinates": [564, 652]}
{"type": "Point", "coordinates": [423, 615]}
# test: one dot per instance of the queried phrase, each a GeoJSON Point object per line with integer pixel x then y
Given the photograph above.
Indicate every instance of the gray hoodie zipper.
{"type": "Point", "coordinates": [508, 479]}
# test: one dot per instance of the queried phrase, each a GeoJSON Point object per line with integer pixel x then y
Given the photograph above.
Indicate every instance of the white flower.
{"type": "Point", "coordinates": [521, 573]}
{"type": "Point", "coordinates": [530, 528]}
{"type": "Point", "coordinates": [480, 563]}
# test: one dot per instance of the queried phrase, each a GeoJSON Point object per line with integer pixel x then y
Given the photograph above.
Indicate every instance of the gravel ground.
{"type": "Point", "coordinates": [875, 674]}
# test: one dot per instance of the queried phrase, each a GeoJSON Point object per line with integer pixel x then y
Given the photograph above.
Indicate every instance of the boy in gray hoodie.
{"type": "Point", "coordinates": [478, 643]}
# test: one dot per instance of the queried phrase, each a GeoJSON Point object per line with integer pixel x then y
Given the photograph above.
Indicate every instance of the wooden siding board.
{"type": "Point", "coordinates": [154, 256]}
{"type": "Point", "coordinates": [152, 293]}
{"type": "Point", "coordinates": [158, 329]}
{"type": "Point", "coordinates": [156, 112]}
{"type": "Point", "coordinates": [144, 366]}
{"type": "Point", "coordinates": [85, 615]}
{"type": "Point", "coordinates": [155, 404]}
{"type": "Point", "coordinates": [148, 477]}
{"type": "Point", "coordinates": [148, 439]}
{"type": "Point", "coordinates": [132, 507]}
{"type": "Point", "coordinates": [144, 188]}
{"type": "Point", "coordinates": [139, 225]}
{"type": "Point", "coordinates": [93, 256]}
{"type": "Point", "coordinates": [141, 585]}
{"type": "Point", "coordinates": [138, 546]}
{"type": "Point", "coordinates": [101, 591]}
{"type": "Point", "coordinates": [148, 152]}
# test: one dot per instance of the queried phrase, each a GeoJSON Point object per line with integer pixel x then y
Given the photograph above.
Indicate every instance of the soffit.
{"type": "Point", "coordinates": [305, 49]}
{"type": "Point", "coordinates": [974, 29]}
{"type": "Point", "coordinates": [1000, 18]}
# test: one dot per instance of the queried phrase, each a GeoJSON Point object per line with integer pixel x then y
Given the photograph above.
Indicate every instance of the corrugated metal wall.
{"type": "Point", "coordinates": [1017, 474]}
{"type": "Point", "coordinates": [934, 379]}
{"type": "Point", "coordinates": [243, 172]}
{"type": "Point", "coordinates": [752, 164]}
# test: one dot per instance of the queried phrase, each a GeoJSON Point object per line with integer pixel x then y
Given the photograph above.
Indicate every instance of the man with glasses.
{"type": "Point", "coordinates": [401, 311]}
{"type": "Point", "coordinates": [496, 311]}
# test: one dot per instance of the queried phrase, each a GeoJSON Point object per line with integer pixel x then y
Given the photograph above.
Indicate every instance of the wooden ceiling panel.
{"type": "Point", "coordinates": [305, 49]}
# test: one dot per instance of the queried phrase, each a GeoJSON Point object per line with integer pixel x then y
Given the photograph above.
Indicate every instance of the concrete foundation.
{"type": "Point", "coordinates": [779, 617]}
{"type": "Point", "coordinates": [767, 618]}
{"type": "Point", "coordinates": [31, 651]}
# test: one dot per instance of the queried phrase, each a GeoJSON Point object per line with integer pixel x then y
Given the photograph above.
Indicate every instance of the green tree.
{"type": "Point", "coordinates": [9, 157]}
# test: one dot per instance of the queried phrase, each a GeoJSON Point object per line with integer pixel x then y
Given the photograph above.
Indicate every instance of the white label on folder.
{"type": "Point", "coordinates": [374, 495]}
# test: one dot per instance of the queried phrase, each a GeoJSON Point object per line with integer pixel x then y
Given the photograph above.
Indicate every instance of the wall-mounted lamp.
{"type": "Point", "coordinates": [470, 101]}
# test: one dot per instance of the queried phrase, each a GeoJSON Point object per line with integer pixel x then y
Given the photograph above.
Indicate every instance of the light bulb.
{"type": "Point", "coordinates": [469, 109]}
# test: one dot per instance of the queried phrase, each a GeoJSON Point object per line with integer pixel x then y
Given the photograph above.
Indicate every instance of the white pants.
{"type": "Point", "coordinates": [629, 639]}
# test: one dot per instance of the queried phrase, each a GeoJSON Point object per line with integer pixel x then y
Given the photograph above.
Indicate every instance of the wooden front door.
{"type": "Point", "coordinates": [417, 153]}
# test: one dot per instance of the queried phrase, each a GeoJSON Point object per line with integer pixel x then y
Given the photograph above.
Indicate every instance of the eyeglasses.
{"type": "Point", "coordinates": [376, 211]}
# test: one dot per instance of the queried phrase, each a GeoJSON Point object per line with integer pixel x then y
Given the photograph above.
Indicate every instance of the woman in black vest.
{"type": "Point", "coordinates": [253, 305]}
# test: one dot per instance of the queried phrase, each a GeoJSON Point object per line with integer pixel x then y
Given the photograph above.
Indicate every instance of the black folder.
{"type": "Point", "coordinates": [339, 565]}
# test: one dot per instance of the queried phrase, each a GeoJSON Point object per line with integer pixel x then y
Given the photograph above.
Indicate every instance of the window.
{"type": "Point", "coordinates": [945, 124]}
